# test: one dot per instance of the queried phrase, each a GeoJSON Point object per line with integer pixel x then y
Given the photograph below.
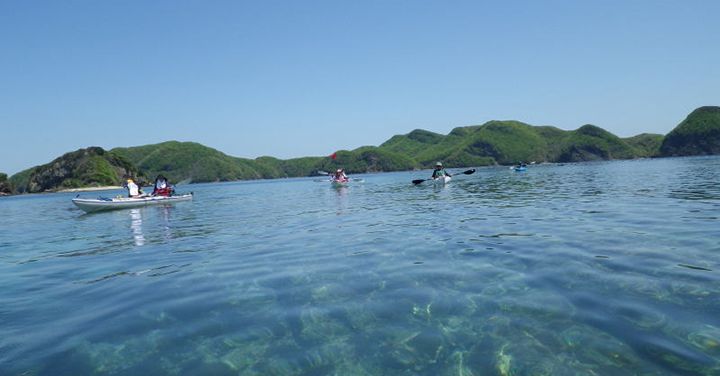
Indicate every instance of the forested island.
{"type": "Point", "coordinates": [492, 143]}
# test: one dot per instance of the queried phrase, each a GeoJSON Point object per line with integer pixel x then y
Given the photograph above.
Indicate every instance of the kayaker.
{"type": "Point", "coordinates": [340, 175]}
{"type": "Point", "coordinates": [162, 188]}
{"type": "Point", "coordinates": [439, 171]}
{"type": "Point", "coordinates": [133, 189]}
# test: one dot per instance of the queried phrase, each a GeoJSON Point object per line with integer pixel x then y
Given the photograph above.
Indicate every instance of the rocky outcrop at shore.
{"type": "Point", "coordinates": [5, 186]}
{"type": "Point", "coordinates": [90, 167]}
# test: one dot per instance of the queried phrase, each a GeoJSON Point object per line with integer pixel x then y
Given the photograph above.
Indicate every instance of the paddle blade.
{"type": "Point", "coordinates": [418, 181]}
{"type": "Point", "coordinates": [469, 172]}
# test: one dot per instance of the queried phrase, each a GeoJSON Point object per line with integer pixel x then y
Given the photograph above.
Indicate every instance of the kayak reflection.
{"type": "Point", "coordinates": [341, 200]}
{"type": "Point", "coordinates": [136, 227]}
{"type": "Point", "coordinates": [165, 218]}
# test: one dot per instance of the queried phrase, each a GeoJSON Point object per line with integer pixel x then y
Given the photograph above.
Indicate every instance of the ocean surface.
{"type": "Point", "coordinates": [607, 268]}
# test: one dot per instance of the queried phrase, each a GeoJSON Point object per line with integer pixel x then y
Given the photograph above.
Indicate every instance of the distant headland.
{"type": "Point", "coordinates": [492, 143]}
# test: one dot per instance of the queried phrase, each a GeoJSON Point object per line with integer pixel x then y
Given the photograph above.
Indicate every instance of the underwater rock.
{"type": "Point", "coordinates": [458, 365]}
{"type": "Point", "coordinates": [503, 362]}
{"type": "Point", "coordinates": [427, 345]}
{"type": "Point", "coordinates": [640, 316]}
{"type": "Point", "coordinates": [707, 340]}
{"type": "Point", "coordinates": [361, 316]}
{"type": "Point", "coordinates": [109, 358]}
{"type": "Point", "coordinates": [597, 350]}
{"type": "Point", "coordinates": [318, 325]}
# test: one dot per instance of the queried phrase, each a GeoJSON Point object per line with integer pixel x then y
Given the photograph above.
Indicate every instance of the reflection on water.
{"type": "Point", "coordinates": [165, 211]}
{"type": "Point", "coordinates": [341, 199]}
{"type": "Point", "coordinates": [136, 226]}
{"type": "Point", "coordinates": [581, 269]}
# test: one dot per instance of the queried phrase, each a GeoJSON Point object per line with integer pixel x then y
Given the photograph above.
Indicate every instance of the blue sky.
{"type": "Point", "coordinates": [298, 78]}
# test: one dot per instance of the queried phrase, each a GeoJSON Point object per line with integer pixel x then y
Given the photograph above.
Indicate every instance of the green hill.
{"type": "Point", "coordinates": [646, 144]}
{"type": "Point", "coordinates": [698, 134]}
{"type": "Point", "coordinates": [412, 143]}
{"type": "Point", "coordinates": [193, 162]}
{"type": "Point", "coordinates": [591, 143]}
{"type": "Point", "coordinates": [507, 142]}
{"type": "Point", "coordinates": [495, 142]}
{"type": "Point", "coordinates": [90, 167]}
{"type": "Point", "coordinates": [367, 159]}
{"type": "Point", "coordinates": [20, 179]}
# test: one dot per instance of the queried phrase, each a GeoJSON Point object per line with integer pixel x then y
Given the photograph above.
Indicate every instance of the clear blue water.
{"type": "Point", "coordinates": [605, 268]}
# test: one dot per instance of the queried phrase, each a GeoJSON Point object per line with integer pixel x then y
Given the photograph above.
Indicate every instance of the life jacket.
{"type": "Point", "coordinates": [133, 190]}
{"type": "Point", "coordinates": [163, 191]}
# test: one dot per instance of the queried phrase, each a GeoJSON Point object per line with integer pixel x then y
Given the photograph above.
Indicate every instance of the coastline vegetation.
{"type": "Point", "coordinates": [492, 143]}
{"type": "Point", "coordinates": [5, 186]}
{"type": "Point", "coordinates": [698, 134]}
{"type": "Point", "coordinates": [89, 167]}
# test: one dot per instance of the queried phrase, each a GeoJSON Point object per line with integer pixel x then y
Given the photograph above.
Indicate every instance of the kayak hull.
{"type": "Point", "coordinates": [520, 169]}
{"type": "Point", "coordinates": [339, 183]}
{"type": "Point", "coordinates": [89, 205]}
{"type": "Point", "coordinates": [442, 180]}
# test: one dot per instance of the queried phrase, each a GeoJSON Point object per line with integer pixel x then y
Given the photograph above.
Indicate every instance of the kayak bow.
{"type": "Point", "coordinates": [339, 183]}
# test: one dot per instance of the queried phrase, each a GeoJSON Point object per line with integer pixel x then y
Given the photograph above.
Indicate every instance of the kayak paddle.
{"type": "Point", "coordinates": [466, 172]}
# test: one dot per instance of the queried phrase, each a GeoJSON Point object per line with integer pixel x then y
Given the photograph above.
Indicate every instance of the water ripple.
{"type": "Point", "coordinates": [595, 268]}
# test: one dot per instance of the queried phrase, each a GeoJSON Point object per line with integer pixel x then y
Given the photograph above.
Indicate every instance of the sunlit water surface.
{"type": "Point", "coordinates": [581, 269]}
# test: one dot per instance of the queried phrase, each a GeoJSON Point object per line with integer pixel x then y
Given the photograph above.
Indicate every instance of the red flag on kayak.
{"type": "Point", "coordinates": [333, 156]}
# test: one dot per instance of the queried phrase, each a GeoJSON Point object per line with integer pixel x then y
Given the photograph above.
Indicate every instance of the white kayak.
{"type": "Point", "coordinates": [442, 180]}
{"type": "Point", "coordinates": [339, 183]}
{"type": "Point", "coordinates": [90, 205]}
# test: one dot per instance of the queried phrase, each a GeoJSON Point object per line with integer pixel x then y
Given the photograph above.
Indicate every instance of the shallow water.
{"type": "Point", "coordinates": [600, 268]}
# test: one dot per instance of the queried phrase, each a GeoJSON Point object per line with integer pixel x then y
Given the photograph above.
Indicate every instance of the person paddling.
{"type": "Point", "coordinates": [133, 190]}
{"type": "Point", "coordinates": [439, 171]}
{"type": "Point", "coordinates": [340, 176]}
{"type": "Point", "coordinates": [162, 187]}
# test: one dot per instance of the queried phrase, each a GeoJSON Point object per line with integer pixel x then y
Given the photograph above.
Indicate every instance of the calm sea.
{"type": "Point", "coordinates": [609, 268]}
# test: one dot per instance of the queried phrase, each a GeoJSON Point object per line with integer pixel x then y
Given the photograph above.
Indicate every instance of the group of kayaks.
{"type": "Point", "coordinates": [91, 205]}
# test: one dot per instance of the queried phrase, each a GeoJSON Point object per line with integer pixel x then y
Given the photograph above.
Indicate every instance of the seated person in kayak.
{"type": "Point", "coordinates": [162, 187]}
{"type": "Point", "coordinates": [340, 176]}
{"type": "Point", "coordinates": [439, 171]}
{"type": "Point", "coordinates": [133, 190]}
